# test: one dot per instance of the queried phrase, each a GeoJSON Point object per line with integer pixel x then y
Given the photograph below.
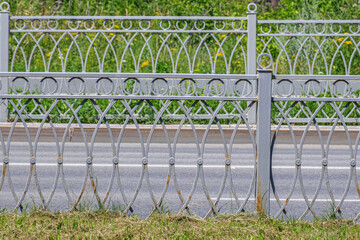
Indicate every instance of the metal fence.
{"type": "Point", "coordinates": [174, 75]}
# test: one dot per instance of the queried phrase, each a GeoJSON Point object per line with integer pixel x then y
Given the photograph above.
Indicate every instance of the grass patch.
{"type": "Point", "coordinates": [105, 224]}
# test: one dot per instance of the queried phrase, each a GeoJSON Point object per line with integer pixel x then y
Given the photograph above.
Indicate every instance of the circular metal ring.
{"type": "Point", "coordinates": [122, 24]}
{"type": "Point", "coordinates": [178, 22]}
{"type": "Point", "coordinates": [319, 24]}
{"type": "Point", "coordinates": [249, 85]}
{"type": "Point", "coordinates": [353, 163]}
{"type": "Point", "coordinates": [302, 27]}
{"type": "Point", "coordinates": [26, 88]}
{"type": "Point", "coordinates": [223, 25]}
{"type": "Point", "coordinates": [60, 161]}
{"type": "Point", "coordinates": [22, 27]}
{"type": "Point", "coordinates": [187, 87]}
{"type": "Point", "coordinates": [164, 28]}
{"type": "Point", "coordinates": [42, 86]}
{"type": "Point", "coordinates": [279, 26]}
{"type": "Point", "coordinates": [32, 160]}
{"type": "Point", "coordinates": [6, 8]}
{"type": "Point", "coordinates": [86, 24]}
{"type": "Point", "coordinates": [199, 28]}
{"type": "Point", "coordinates": [233, 25]}
{"type": "Point", "coordinates": [48, 24]}
{"type": "Point", "coordinates": [111, 26]}
{"type": "Point", "coordinates": [265, 24]}
{"type": "Point", "coordinates": [148, 24]}
{"type": "Point", "coordinates": [135, 85]}
{"type": "Point", "coordinates": [6, 160]}
{"type": "Point", "coordinates": [291, 88]}
{"type": "Point", "coordinates": [162, 82]}
{"type": "Point", "coordinates": [103, 79]}
{"type": "Point", "coordinates": [358, 28]}
{"type": "Point", "coordinates": [213, 84]}
{"type": "Point", "coordinates": [307, 89]}
{"type": "Point", "coordinates": [254, 7]}
{"type": "Point", "coordinates": [33, 24]}
{"type": "Point", "coordinates": [70, 23]}
{"type": "Point", "coordinates": [81, 89]}
{"type": "Point", "coordinates": [347, 87]}
{"type": "Point", "coordinates": [332, 30]}
{"type": "Point", "coordinates": [89, 160]}
{"type": "Point", "coordinates": [259, 59]}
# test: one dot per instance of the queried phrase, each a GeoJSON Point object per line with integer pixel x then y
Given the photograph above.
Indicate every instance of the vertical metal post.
{"type": "Point", "coordinates": [263, 133]}
{"type": "Point", "coordinates": [251, 52]}
{"type": "Point", "coordinates": [4, 57]}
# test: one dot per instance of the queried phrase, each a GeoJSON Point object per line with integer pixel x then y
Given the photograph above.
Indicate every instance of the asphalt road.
{"type": "Point", "coordinates": [130, 164]}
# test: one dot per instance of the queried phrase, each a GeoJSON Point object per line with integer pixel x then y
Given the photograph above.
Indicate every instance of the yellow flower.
{"type": "Point", "coordinates": [111, 34]}
{"type": "Point", "coordinates": [116, 26]}
{"type": "Point", "coordinates": [197, 70]}
{"type": "Point", "coordinates": [327, 57]}
{"type": "Point", "coordinates": [238, 62]}
{"type": "Point", "coordinates": [216, 43]}
{"type": "Point", "coordinates": [172, 49]}
{"type": "Point", "coordinates": [220, 55]}
{"type": "Point", "coordinates": [48, 55]}
{"type": "Point", "coordinates": [340, 39]}
{"type": "Point", "coordinates": [73, 34]}
{"type": "Point", "coordinates": [145, 64]}
{"type": "Point", "coordinates": [223, 35]}
{"type": "Point", "coordinates": [348, 42]}
{"type": "Point", "coordinates": [243, 71]}
{"type": "Point", "coordinates": [315, 50]}
{"type": "Point", "coordinates": [293, 56]}
{"type": "Point", "coordinates": [346, 33]}
{"type": "Point", "coordinates": [66, 49]}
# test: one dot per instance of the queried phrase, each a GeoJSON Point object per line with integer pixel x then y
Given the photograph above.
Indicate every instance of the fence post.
{"type": "Point", "coordinates": [4, 56]}
{"type": "Point", "coordinates": [251, 52]}
{"type": "Point", "coordinates": [263, 135]}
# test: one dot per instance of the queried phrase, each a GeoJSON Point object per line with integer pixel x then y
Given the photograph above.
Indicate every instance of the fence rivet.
{"type": "Point", "coordinates": [6, 160]}
{"type": "Point", "coordinates": [60, 161]}
{"type": "Point", "coordinates": [144, 161]}
{"type": "Point", "coordinates": [89, 160]}
{"type": "Point", "coordinates": [324, 162]}
{"type": "Point", "coordinates": [227, 162]}
{"type": "Point", "coordinates": [353, 163]}
{"type": "Point", "coordinates": [115, 161]}
{"type": "Point", "coordinates": [200, 161]}
{"type": "Point", "coordinates": [171, 161]}
{"type": "Point", "coordinates": [298, 163]}
{"type": "Point", "coordinates": [32, 160]}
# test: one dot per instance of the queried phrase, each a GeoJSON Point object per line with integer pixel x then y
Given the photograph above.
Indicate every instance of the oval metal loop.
{"type": "Point", "coordinates": [81, 88]}
{"type": "Point", "coordinates": [252, 7]}
{"type": "Point", "coordinates": [4, 6]}
{"type": "Point", "coordinates": [42, 86]}
{"type": "Point", "coordinates": [259, 60]}
{"type": "Point", "coordinates": [307, 88]}
{"type": "Point", "coordinates": [291, 87]}
{"type": "Point", "coordinates": [102, 80]}
{"type": "Point", "coordinates": [26, 86]}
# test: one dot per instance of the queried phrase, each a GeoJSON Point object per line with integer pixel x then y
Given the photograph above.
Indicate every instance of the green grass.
{"type": "Point", "coordinates": [109, 225]}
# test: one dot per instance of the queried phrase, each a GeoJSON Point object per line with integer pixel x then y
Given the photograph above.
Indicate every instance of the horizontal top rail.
{"type": "Point", "coordinates": [127, 18]}
{"type": "Point", "coordinates": [318, 77]}
{"type": "Point", "coordinates": [308, 21]}
{"type": "Point", "coordinates": [127, 75]}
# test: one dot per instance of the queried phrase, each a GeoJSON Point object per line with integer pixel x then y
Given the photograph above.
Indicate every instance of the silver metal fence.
{"type": "Point", "coordinates": [177, 75]}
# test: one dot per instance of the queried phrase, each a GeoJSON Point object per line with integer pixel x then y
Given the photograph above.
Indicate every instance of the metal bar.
{"type": "Point", "coordinates": [128, 31]}
{"type": "Point", "coordinates": [127, 17]}
{"type": "Point", "coordinates": [127, 75]}
{"type": "Point", "coordinates": [251, 57]}
{"type": "Point", "coordinates": [308, 21]}
{"type": "Point", "coordinates": [4, 61]}
{"type": "Point", "coordinates": [263, 142]}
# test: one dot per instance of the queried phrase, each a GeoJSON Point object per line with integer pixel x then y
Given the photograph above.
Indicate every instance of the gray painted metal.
{"type": "Point", "coordinates": [144, 87]}
{"type": "Point", "coordinates": [263, 156]}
